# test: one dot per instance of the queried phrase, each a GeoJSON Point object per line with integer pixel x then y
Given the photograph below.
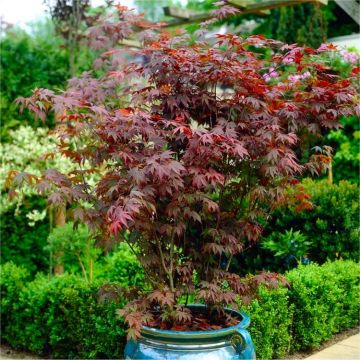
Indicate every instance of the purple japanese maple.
{"type": "Point", "coordinates": [192, 145]}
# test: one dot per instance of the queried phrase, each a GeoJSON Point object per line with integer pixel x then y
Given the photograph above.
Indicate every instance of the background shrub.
{"type": "Point", "coordinates": [77, 247]}
{"type": "Point", "coordinates": [29, 61]}
{"type": "Point", "coordinates": [120, 266]}
{"type": "Point", "coordinates": [345, 142]}
{"type": "Point", "coordinates": [12, 281]}
{"type": "Point", "coordinates": [331, 228]}
{"type": "Point", "coordinates": [24, 221]}
{"type": "Point", "coordinates": [22, 243]}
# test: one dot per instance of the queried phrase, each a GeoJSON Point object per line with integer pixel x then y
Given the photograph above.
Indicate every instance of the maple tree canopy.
{"type": "Point", "coordinates": [183, 148]}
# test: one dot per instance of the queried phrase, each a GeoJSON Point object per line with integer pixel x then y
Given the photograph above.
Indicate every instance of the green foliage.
{"type": "Point", "coordinates": [25, 151]}
{"type": "Point", "coordinates": [321, 301]}
{"type": "Point", "coordinates": [22, 243]}
{"type": "Point", "coordinates": [61, 316]}
{"type": "Point", "coordinates": [326, 300]}
{"type": "Point", "coordinates": [24, 223]}
{"type": "Point", "coordinates": [290, 243]}
{"type": "Point", "coordinates": [345, 141]}
{"type": "Point", "coordinates": [64, 317]}
{"type": "Point", "coordinates": [40, 62]}
{"type": "Point", "coordinates": [305, 24]}
{"type": "Point", "coordinates": [120, 266]}
{"type": "Point", "coordinates": [271, 318]}
{"type": "Point", "coordinates": [331, 226]}
{"type": "Point", "coordinates": [13, 280]}
{"type": "Point", "coordinates": [77, 247]}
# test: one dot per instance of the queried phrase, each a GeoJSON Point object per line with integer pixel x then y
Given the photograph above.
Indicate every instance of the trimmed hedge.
{"type": "Point", "coordinates": [326, 300]}
{"type": "Point", "coordinates": [63, 317]}
{"type": "Point", "coordinates": [321, 301]}
{"type": "Point", "coordinates": [271, 318]}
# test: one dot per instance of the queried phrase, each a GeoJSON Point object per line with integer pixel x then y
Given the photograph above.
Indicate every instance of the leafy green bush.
{"type": "Point", "coordinates": [291, 246]}
{"type": "Point", "coordinates": [61, 316]}
{"type": "Point", "coordinates": [40, 62]}
{"type": "Point", "coordinates": [120, 266]}
{"type": "Point", "coordinates": [345, 141]}
{"type": "Point", "coordinates": [77, 247]}
{"type": "Point", "coordinates": [326, 300]}
{"type": "Point", "coordinates": [12, 281]}
{"type": "Point", "coordinates": [321, 301]}
{"type": "Point", "coordinates": [22, 243]}
{"type": "Point", "coordinates": [24, 223]}
{"type": "Point", "coordinates": [271, 317]}
{"type": "Point", "coordinates": [331, 227]}
{"type": "Point", "coordinates": [25, 151]}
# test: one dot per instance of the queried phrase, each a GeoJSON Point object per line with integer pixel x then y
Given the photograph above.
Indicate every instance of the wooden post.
{"type": "Point", "coordinates": [330, 172]}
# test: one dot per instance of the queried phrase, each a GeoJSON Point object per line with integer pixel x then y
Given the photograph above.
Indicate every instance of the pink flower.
{"type": "Point", "coordinates": [323, 47]}
{"type": "Point", "coordinates": [294, 78]}
{"type": "Point", "coordinates": [350, 57]}
{"type": "Point", "coordinates": [299, 77]}
{"type": "Point", "coordinates": [288, 60]}
{"type": "Point", "coordinates": [271, 74]}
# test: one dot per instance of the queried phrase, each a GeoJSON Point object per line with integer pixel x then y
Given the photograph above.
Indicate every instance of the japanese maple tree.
{"type": "Point", "coordinates": [192, 145]}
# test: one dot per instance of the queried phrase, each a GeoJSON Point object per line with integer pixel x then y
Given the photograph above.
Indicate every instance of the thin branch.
{"type": "Point", "coordinates": [82, 267]}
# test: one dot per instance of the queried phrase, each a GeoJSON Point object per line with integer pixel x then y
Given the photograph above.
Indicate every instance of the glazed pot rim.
{"type": "Point", "coordinates": [197, 334]}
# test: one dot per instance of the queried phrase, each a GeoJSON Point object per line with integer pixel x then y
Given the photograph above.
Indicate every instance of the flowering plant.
{"type": "Point", "coordinates": [193, 148]}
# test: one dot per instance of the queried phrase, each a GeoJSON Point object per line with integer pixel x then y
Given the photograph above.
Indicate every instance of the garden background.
{"type": "Point", "coordinates": [60, 289]}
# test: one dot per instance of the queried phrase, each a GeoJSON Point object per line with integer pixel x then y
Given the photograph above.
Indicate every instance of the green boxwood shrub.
{"type": "Point", "coordinates": [326, 300]}
{"type": "Point", "coordinates": [320, 301]}
{"type": "Point", "coordinates": [271, 317]}
{"type": "Point", "coordinates": [63, 316]}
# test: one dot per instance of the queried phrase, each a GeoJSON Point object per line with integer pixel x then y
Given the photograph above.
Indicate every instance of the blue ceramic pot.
{"type": "Point", "coordinates": [225, 344]}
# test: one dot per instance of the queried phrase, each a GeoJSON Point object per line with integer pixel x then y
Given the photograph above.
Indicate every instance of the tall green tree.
{"type": "Point", "coordinates": [28, 61]}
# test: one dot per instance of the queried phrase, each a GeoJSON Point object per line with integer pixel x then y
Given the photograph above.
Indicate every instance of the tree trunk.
{"type": "Point", "coordinates": [330, 173]}
{"type": "Point", "coordinates": [59, 221]}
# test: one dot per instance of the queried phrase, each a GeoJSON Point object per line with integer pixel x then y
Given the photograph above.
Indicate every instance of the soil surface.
{"type": "Point", "coordinates": [6, 353]}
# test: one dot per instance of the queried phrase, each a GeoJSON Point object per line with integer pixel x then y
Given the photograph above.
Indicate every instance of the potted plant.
{"type": "Point", "coordinates": [190, 146]}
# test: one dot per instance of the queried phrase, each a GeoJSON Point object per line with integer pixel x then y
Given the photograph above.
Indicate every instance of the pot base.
{"type": "Point", "coordinates": [225, 344]}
